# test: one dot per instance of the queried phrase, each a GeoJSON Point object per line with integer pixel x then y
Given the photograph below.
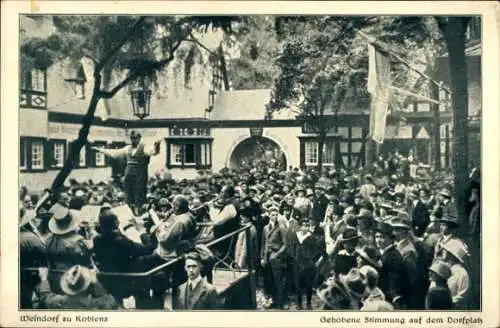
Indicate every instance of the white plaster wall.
{"type": "Point", "coordinates": [70, 132]}
{"type": "Point", "coordinates": [32, 122]}
{"type": "Point", "coordinates": [287, 139]}
{"type": "Point", "coordinates": [225, 140]}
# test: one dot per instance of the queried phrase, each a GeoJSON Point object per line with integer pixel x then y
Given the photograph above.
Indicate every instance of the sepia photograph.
{"type": "Point", "coordinates": [251, 162]}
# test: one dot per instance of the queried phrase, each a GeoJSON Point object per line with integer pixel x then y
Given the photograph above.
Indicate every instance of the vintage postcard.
{"type": "Point", "coordinates": [249, 164]}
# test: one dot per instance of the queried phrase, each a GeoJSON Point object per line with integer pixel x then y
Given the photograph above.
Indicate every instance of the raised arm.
{"type": "Point", "coordinates": [113, 153]}
{"type": "Point", "coordinates": [152, 151]}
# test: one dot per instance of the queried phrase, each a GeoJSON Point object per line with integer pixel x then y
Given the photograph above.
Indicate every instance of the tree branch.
{"type": "Point", "coordinates": [137, 73]}
{"type": "Point", "coordinates": [120, 44]}
{"type": "Point", "coordinates": [196, 41]}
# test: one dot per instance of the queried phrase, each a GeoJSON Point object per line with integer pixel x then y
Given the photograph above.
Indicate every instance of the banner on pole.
{"type": "Point", "coordinates": [378, 86]}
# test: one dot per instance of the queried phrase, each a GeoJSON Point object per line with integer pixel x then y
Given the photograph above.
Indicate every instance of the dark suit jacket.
{"type": "Point", "coordinates": [274, 242]}
{"type": "Point", "coordinates": [116, 253]}
{"type": "Point", "coordinates": [421, 218]}
{"type": "Point", "coordinates": [438, 298]}
{"type": "Point", "coordinates": [319, 209]}
{"type": "Point", "coordinates": [393, 279]}
{"type": "Point", "coordinates": [203, 297]}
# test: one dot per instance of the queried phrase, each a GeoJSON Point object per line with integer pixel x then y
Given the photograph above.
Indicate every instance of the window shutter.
{"type": "Point", "coordinates": [22, 151]}
{"type": "Point", "coordinates": [302, 154]}
{"type": "Point", "coordinates": [48, 154]}
{"type": "Point", "coordinates": [90, 155]}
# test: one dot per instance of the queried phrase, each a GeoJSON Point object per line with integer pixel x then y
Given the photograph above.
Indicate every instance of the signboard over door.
{"type": "Point", "coordinates": [256, 132]}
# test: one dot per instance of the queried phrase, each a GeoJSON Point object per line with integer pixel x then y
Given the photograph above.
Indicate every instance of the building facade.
{"type": "Point", "coordinates": [201, 124]}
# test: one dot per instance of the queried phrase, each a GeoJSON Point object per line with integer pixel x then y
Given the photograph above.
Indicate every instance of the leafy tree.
{"type": "Point", "coordinates": [323, 64]}
{"type": "Point", "coordinates": [257, 47]}
{"type": "Point", "coordinates": [137, 46]}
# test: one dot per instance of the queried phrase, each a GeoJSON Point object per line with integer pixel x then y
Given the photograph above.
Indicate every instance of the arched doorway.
{"type": "Point", "coordinates": [257, 151]}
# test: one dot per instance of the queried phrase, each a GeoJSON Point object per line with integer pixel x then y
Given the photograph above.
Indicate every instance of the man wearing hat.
{"type": "Point", "coordinates": [368, 188]}
{"type": "Point", "coordinates": [136, 170]}
{"type": "Point", "coordinates": [31, 254]}
{"type": "Point", "coordinates": [196, 293]}
{"type": "Point", "coordinates": [413, 257]}
{"type": "Point", "coordinates": [302, 203]}
{"type": "Point", "coordinates": [174, 237]}
{"type": "Point", "coordinates": [394, 280]}
{"type": "Point", "coordinates": [449, 223]}
{"type": "Point", "coordinates": [343, 293]}
{"type": "Point", "coordinates": [454, 254]}
{"type": "Point", "coordinates": [304, 250]}
{"type": "Point", "coordinates": [273, 256]}
{"type": "Point", "coordinates": [114, 252]}
{"type": "Point", "coordinates": [65, 247]}
{"type": "Point", "coordinates": [439, 296]}
{"type": "Point", "coordinates": [319, 205]}
{"type": "Point", "coordinates": [420, 213]}
{"type": "Point", "coordinates": [80, 290]}
{"type": "Point", "coordinates": [345, 259]}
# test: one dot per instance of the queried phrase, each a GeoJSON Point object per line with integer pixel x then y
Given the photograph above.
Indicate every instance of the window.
{"type": "Point", "coordinates": [23, 154]}
{"type": "Point", "coordinates": [58, 153]}
{"type": "Point", "coordinates": [192, 153]}
{"type": "Point", "coordinates": [329, 153]}
{"type": "Point", "coordinates": [356, 147]}
{"type": "Point", "coordinates": [311, 152]}
{"type": "Point", "coordinates": [79, 89]}
{"type": "Point", "coordinates": [176, 151]}
{"type": "Point", "coordinates": [83, 157]}
{"type": "Point", "coordinates": [204, 156]}
{"type": "Point", "coordinates": [344, 132]}
{"type": "Point", "coordinates": [100, 159]}
{"type": "Point", "coordinates": [356, 132]}
{"type": "Point", "coordinates": [189, 157]}
{"type": "Point", "coordinates": [37, 155]}
{"type": "Point", "coordinates": [38, 80]}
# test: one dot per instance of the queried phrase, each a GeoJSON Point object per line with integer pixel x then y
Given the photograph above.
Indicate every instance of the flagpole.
{"type": "Point", "coordinates": [377, 44]}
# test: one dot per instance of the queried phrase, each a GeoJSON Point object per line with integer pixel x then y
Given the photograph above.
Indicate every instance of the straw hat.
{"type": "Point", "coordinates": [402, 220]}
{"type": "Point", "coordinates": [383, 228]}
{"type": "Point", "coordinates": [353, 282]}
{"type": "Point", "coordinates": [456, 248]}
{"type": "Point", "coordinates": [309, 192]}
{"type": "Point", "coordinates": [299, 188]}
{"type": "Point", "coordinates": [349, 234]}
{"type": "Point", "coordinates": [450, 217]}
{"type": "Point", "coordinates": [63, 220]}
{"type": "Point", "coordinates": [441, 269]}
{"type": "Point", "coordinates": [329, 291]}
{"type": "Point", "coordinates": [370, 255]}
{"type": "Point", "coordinates": [445, 192]}
{"type": "Point", "coordinates": [319, 186]}
{"type": "Point", "coordinates": [76, 280]}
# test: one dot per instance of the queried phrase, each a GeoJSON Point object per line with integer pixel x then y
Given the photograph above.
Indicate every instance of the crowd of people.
{"type": "Point", "coordinates": [372, 238]}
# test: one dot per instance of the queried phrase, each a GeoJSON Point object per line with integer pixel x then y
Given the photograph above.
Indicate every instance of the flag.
{"type": "Point", "coordinates": [378, 86]}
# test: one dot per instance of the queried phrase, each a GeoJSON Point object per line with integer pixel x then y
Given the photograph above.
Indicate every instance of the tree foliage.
{"type": "Point", "coordinates": [253, 67]}
{"type": "Point", "coordinates": [139, 46]}
{"type": "Point", "coordinates": [323, 63]}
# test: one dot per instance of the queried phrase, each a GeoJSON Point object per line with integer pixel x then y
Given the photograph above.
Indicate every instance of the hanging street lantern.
{"type": "Point", "coordinates": [211, 100]}
{"type": "Point", "coordinates": [140, 95]}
